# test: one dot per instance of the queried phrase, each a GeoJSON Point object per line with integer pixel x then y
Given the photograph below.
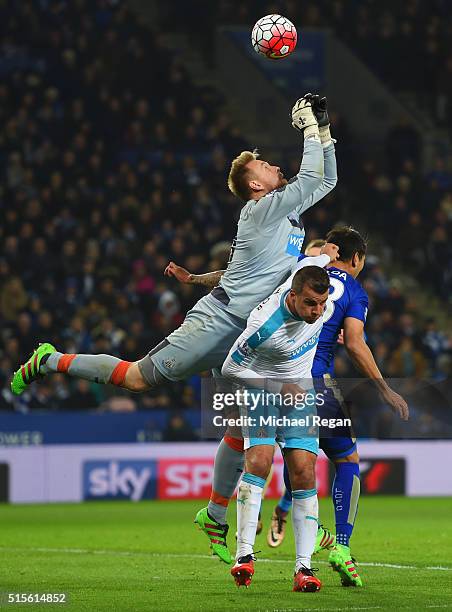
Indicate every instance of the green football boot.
{"type": "Point", "coordinates": [341, 561]}
{"type": "Point", "coordinates": [325, 540]}
{"type": "Point", "coordinates": [216, 533]}
{"type": "Point", "coordinates": [29, 371]}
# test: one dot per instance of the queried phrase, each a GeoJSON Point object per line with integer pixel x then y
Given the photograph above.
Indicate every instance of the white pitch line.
{"type": "Point", "coordinates": [133, 553]}
{"type": "Point", "coordinates": [350, 609]}
{"type": "Point", "coordinates": [326, 609]}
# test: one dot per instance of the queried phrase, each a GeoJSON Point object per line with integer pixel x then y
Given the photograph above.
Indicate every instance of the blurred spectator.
{"type": "Point", "coordinates": [407, 361]}
{"type": "Point", "coordinates": [82, 398]}
{"type": "Point", "coordinates": [13, 299]}
{"type": "Point", "coordinates": [120, 403]}
{"type": "Point", "coordinates": [178, 429]}
{"type": "Point", "coordinates": [435, 342]}
{"type": "Point", "coordinates": [403, 142]}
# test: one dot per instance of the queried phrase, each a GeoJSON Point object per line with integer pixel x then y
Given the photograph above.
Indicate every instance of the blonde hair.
{"type": "Point", "coordinates": [316, 243]}
{"type": "Point", "coordinates": [238, 174]}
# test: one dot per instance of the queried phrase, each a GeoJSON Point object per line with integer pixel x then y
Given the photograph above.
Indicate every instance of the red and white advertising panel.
{"type": "Point", "coordinates": [184, 471]}
{"type": "Point", "coordinates": [191, 478]}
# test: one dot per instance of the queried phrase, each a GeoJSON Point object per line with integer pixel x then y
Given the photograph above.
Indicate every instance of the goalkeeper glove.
{"type": "Point", "coordinates": [303, 118]}
{"type": "Point", "coordinates": [320, 109]}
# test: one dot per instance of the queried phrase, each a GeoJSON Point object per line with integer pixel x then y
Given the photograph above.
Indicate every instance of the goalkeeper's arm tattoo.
{"type": "Point", "coordinates": [210, 279]}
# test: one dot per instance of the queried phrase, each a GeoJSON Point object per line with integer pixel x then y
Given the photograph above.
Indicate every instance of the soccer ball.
{"type": "Point", "coordinates": [274, 36]}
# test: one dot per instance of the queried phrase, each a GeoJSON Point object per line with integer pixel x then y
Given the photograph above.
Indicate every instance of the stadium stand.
{"type": "Point", "coordinates": [381, 33]}
{"type": "Point", "coordinates": [115, 162]}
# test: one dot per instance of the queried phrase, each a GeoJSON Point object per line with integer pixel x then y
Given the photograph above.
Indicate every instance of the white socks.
{"type": "Point", "coordinates": [249, 497]}
{"type": "Point", "coordinates": [305, 516]}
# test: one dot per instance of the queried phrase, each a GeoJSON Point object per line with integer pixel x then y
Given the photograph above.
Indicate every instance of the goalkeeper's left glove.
{"type": "Point", "coordinates": [320, 109]}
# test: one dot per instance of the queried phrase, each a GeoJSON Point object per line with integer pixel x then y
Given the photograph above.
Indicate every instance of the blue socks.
{"type": "Point", "coordinates": [286, 478]}
{"type": "Point", "coordinates": [285, 503]}
{"type": "Point", "coordinates": [345, 494]}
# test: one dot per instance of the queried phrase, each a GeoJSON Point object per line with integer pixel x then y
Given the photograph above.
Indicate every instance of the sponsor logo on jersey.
{"type": "Point", "coordinates": [294, 244]}
{"type": "Point", "coordinates": [119, 479]}
{"type": "Point", "coordinates": [241, 352]}
{"type": "Point", "coordinates": [306, 346]}
{"type": "Point", "coordinates": [244, 348]}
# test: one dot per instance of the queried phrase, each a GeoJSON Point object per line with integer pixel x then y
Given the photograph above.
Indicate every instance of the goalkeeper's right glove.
{"type": "Point", "coordinates": [303, 118]}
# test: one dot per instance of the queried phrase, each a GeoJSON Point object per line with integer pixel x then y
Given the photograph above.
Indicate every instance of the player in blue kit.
{"type": "Point", "coordinates": [346, 310]}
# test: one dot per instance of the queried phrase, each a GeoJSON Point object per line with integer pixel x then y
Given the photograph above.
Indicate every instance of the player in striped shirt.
{"type": "Point", "coordinates": [275, 353]}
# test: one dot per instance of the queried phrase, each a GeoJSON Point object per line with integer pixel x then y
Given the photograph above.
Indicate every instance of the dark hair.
{"type": "Point", "coordinates": [315, 277]}
{"type": "Point", "coordinates": [349, 242]}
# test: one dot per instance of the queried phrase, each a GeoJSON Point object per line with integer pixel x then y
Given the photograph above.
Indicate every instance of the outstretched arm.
{"type": "Point", "coordinates": [329, 178]}
{"type": "Point", "coordinates": [301, 192]}
{"type": "Point", "coordinates": [209, 280]}
{"type": "Point", "coordinates": [362, 357]}
{"type": "Point", "coordinates": [328, 254]}
{"type": "Point", "coordinates": [297, 194]}
{"type": "Point", "coordinates": [320, 107]}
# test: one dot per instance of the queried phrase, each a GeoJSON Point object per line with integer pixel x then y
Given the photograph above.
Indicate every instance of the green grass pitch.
{"type": "Point", "coordinates": [149, 556]}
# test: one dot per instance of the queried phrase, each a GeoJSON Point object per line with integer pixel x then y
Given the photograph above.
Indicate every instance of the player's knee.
{"type": "Point", "coordinates": [144, 375]}
{"type": "Point", "coordinates": [303, 479]}
{"type": "Point", "coordinates": [233, 431]}
{"type": "Point", "coordinates": [302, 473]}
{"type": "Point", "coordinates": [134, 380]}
{"type": "Point", "coordinates": [351, 458]}
{"type": "Point", "coordinates": [258, 461]}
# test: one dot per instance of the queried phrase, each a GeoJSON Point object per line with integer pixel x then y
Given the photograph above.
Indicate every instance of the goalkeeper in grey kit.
{"type": "Point", "coordinates": [269, 239]}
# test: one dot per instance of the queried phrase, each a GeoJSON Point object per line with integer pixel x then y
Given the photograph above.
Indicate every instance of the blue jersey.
{"type": "Point", "coordinates": [347, 299]}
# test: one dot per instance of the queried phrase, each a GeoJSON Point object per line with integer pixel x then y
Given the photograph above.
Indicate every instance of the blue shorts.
{"type": "Point", "coordinates": [339, 442]}
{"type": "Point", "coordinates": [336, 448]}
{"type": "Point", "coordinates": [270, 422]}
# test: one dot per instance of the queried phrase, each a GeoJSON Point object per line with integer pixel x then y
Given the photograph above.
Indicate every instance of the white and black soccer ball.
{"type": "Point", "coordinates": [274, 36]}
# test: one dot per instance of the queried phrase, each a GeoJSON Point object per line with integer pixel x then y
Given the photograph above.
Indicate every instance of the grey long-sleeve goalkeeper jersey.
{"type": "Point", "coordinates": [270, 233]}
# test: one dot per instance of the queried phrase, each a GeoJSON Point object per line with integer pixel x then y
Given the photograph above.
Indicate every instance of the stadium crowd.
{"type": "Point", "coordinates": [114, 162]}
{"type": "Point", "coordinates": [382, 33]}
